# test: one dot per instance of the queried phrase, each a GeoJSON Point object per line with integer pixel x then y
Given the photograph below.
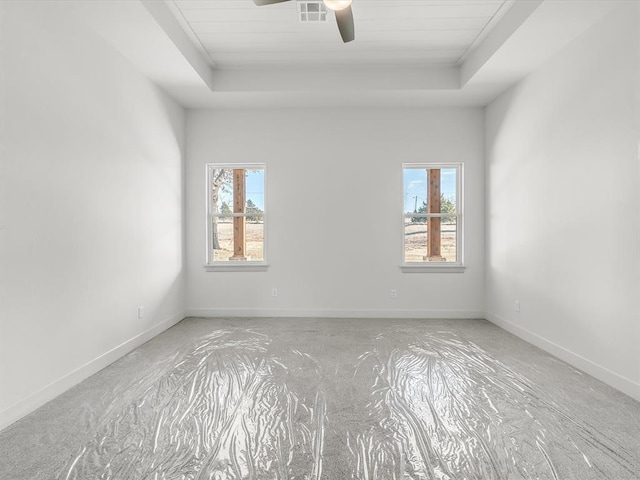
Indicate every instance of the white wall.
{"type": "Point", "coordinates": [563, 204]}
{"type": "Point", "coordinates": [334, 203]}
{"type": "Point", "coordinates": [91, 206]}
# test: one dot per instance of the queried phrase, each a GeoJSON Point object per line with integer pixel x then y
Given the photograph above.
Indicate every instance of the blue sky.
{"type": "Point", "coordinates": [415, 184]}
{"type": "Point", "coordinates": [255, 187]}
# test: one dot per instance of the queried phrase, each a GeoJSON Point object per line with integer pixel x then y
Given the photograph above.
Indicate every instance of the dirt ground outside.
{"type": "Point", "coordinates": [255, 241]}
{"type": "Point", "coordinates": [415, 242]}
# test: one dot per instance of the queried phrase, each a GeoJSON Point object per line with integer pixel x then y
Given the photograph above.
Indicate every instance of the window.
{"type": "Point", "coordinates": [432, 225]}
{"type": "Point", "coordinates": [235, 215]}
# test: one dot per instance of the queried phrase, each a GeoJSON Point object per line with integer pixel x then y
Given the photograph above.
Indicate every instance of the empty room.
{"type": "Point", "coordinates": [319, 239]}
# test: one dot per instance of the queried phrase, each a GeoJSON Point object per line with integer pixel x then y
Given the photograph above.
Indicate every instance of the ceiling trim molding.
{"type": "Point", "coordinates": [336, 78]}
{"type": "Point", "coordinates": [170, 25]}
{"type": "Point", "coordinates": [177, 13]}
{"type": "Point", "coordinates": [488, 28]}
{"type": "Point", "coordinates": [511, 21]}
{"type": "Point", "coordinates": [528, 35]}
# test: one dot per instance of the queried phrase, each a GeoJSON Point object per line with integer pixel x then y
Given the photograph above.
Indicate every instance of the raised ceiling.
{"type": "Point", "coordinates": [236, 33]}
{"type": "Point", "coordinates": [407, 53]}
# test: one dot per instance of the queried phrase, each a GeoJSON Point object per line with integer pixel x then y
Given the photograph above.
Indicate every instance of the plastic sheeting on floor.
{"type": "Point", "coordinates": [240, 404]}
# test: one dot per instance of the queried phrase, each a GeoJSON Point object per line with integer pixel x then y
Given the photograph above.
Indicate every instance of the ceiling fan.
{"type": "Point", "coordinates": [342, 9]}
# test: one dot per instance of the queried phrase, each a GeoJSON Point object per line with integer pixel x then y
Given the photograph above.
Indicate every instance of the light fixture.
{"type": "Point", "coordinates": [337, 4]}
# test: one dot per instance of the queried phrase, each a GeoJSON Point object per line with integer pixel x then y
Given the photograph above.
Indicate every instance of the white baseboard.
{"type": "Point", "coordinates": [289, 313]}
{"type": "Point", "coordinates": [36, 400]}
{"type": "Point", "coordinates": [31, 403]}
{"type": "Point", "coordinates": [611, 378]}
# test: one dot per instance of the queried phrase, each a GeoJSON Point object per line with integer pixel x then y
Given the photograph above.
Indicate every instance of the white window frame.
{"type": "Point", "coordinates": [437, 267]}
{"type": "Point", "coordinates": [245, 265]}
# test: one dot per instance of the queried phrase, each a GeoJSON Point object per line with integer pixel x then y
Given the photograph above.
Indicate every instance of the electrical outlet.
{"type": "Point", "coordinates": [394, 293]}
{"type": "Point", "coordinates": [274, 292]}
{"type": "Point", "coordinates": [516, 306]}
{"type": "Point", "coordinates": [140, 312]}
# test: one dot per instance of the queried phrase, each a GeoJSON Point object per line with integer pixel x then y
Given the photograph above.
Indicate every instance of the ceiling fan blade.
{"type": "Point", "coordinates": [345, 24]}
{"type": "Point", "coordinates": [268, 2]}
{"type": "Point", "coordinates": [344, 19]}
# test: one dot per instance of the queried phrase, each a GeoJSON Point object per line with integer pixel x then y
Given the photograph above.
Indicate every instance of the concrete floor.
{"type": "Point", "coordinates": [331, 399]}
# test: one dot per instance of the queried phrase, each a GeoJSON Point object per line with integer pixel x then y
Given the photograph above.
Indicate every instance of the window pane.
{"type": "Point", "coordinates": [255, 240]}
{"type": "Point", "coordinates": [221, 190]}
{"type": "Point", "coordinates": [420, 246]}
{"type": "Point", "coordinates": [222, 241]}
{"type": "Point", "coordinates": [415, 239]}
{"type": "Point", "coordinates": [415, 190]}
{"type": "Point", "coordinates": [449, 239]}
{"type": "Point", "coordinates": [448, 194]}
{"type": "Point", "coordinates": [222, 238]}
{"type": "Point", "coordinates": [422, 186]}
{"type": "Point", "coordinates": [254, 192]}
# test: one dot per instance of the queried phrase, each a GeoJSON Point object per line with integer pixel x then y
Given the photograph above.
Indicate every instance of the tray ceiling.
{"type": "Point", "coordinates": [407, 53]}
{"type": "Point", "coordinates": [425, 32]}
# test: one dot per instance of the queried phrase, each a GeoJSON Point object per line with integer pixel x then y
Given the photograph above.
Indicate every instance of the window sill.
{"type": "Point", "coordinates": [237, 267]}
{"type": "Point", "coordinates": [432, 268]}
